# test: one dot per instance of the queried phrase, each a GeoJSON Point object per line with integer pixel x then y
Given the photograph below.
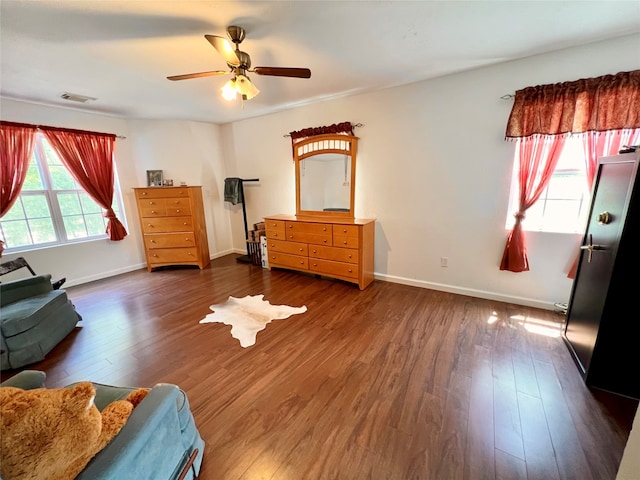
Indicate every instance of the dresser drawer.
{"type": "Point", "coordinates": [153, 211]}
{"type": "Point", "coordinates": [333, 268]}
{"type": "Point", "coordinates": [287, 260]}
{"type": "Point", "coordinates": [180, 211]}
{"type": "Point", "coordinates": [346, 230]}
{"type": "Point", "coordinates": [162, 192]}
{"type": "Point", "coordinates": [287, 247]}
{"type": "Point", "coordinates": [167, 224]}
{"type": "Point", "coordinates": [168, 240]}
{"type": "Point", "coordinates": [346, 242]}
{"type": "Point", "coordinates": [309, 238]}
{"type": "Point", "coordinates": [173, 255]}
{"type": "Point", "coordinates": [333, 253]}
{"type": "Point", "coordinates": [277, 225]}
{"type": "Point", "coordinates": [308, 228]}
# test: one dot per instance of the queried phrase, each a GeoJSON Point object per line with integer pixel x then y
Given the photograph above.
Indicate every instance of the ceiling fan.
{"type": "Point", "coordinates": [239, 64]}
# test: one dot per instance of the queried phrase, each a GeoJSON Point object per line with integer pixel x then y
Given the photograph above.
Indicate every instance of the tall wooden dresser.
{"type": "Point", "coordinates": [173, 226]}
{"type": "Point", "coordinates": [337, 248]}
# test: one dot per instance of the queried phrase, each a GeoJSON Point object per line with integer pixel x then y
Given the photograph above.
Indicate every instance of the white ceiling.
{"type": "Point", "coordinates": [122, 51]}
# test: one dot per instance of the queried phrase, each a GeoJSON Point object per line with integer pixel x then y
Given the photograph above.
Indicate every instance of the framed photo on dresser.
{"type": "Point", "coordinates": [154, 178]}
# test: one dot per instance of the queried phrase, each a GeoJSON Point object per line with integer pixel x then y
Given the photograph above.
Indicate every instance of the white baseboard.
{"type": "Point", "coordinates": [131, 268]}
{"type": "Point", "coordinates": [100, 276]}
{"type": "Point", "coordinates": [226, 252]}
{"type": "Point", "coordinates": [470, 292]}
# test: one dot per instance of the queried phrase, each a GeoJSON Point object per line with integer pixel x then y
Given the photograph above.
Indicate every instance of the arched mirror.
{"type": "Point", "coordinates": [325, 175]}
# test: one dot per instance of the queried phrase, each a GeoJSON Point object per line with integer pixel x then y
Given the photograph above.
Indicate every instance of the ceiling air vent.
{"type": "Point", "coordinates": [74, 97]}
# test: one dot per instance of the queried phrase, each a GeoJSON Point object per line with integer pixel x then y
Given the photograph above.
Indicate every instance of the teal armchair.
{"type": "Point", "coordinates": [34, 318]}
{"type": "Point", "coordinates": [160, 440]}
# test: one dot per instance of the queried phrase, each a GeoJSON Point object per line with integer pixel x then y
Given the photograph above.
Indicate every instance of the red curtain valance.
{"type": "Point", "coordinates": [610, 102]}
{"type": "Point", "coordinates": [344, 127]}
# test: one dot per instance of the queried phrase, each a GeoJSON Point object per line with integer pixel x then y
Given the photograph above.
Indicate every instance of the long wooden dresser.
{"type": "Point", "coordinates": [173, 226]}
{"type": "Point", "coordinates": [332, 247]}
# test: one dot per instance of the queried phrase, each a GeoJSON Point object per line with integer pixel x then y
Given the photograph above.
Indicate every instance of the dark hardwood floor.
{"type": "Point", "coordinates": [394, 382]}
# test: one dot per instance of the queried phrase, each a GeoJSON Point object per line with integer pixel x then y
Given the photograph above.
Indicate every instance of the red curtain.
{"type": "Point", "coordinates": [89, 158]}
{"type": "Point", "coordinates": [16, 147]}
{"type": "Point", "coordinates": [602, 144]}
{"type": "Point", "coordinates": [537, 159]}
{"type": "Point", "coordinates": [609, 102]}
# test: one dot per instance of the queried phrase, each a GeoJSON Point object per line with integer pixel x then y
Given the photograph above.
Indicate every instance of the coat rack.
{"type": "Point", "coordinates": [234, 193]}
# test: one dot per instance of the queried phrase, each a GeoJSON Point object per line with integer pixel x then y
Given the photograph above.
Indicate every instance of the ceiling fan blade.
{"type": "Point", "coordinates": [224, 48]}
{"type": "Point", "coordinates": [283, 72]}
{"type": "Point", "coordinates": [198, 75]}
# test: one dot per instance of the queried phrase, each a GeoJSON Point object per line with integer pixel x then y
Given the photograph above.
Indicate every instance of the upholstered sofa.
{"type": "Point", "coordinates": [160, 440]}
{"type": "Point", "coordinates": [34, 318]}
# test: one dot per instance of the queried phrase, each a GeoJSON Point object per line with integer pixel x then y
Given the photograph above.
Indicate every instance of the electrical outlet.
{"type": "Point", "coordinates": [444, 261]}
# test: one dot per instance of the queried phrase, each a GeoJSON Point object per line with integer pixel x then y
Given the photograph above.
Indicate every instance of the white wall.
{"type": "Point", "coordinates": [189, 152]}
{"type": "Point", "coordinates": [630, 465]}
{"type": "Point", "coordinates": [434, 170]}
{"type": "Point", "coordinates": [186, 151]}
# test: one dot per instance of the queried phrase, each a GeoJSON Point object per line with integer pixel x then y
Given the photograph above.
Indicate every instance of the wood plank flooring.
{"type": "Point", "coordinates": [394, 382]}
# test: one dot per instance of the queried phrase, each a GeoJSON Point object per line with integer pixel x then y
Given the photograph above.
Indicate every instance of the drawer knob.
{"type": "Point", "coordinates": [301, 262]}
{"type": "Point", "coordinates": [315, 251]}
{"type": "Point", "coordinates": [350, 270]}
{"type": "Point", "coordinates": [300, 249]}
{"type": "Point", "coordinates": [273, 258]}
{"type": "Point", "coordinates": [345, 242]}
{"type": "Point", "coordinates": [290, 236]}
{"type": "Point", "coordinates": [344, 230]}
{"type": "Point", "coordinates": [152, 202]}
{"type": "Point", "coordinates": [144, 193]}
{"type": "Point", "coordinates": [178, 210]}
{"type": "Point", "coordinates": [153, 211]}
{"type": "Point", "coordinates": [189, 253]}
{"type": "Point", "coordinates": [324, 229]}
{"type": "Point", "coordinates": [274, 224]}
{"type": "Point", "coordinates": [290, 226]}
{"type": "Point", "coordinates": [155, 254]}
{"type": "Point", "coordinates": [315, 264]}
{"type": "Point", "coordinates": [273, 246]}
{"type": "Point", "coordinates": [184, 223]}
{"type": "Point", "coordinates": [349, 255]}
{"type": "Point", "coordinates": [325, 240]}
{"type": "Point", "coordinates": [152, 241]}
{"type": "Point", "coordinates": [275, 234]}
{"type": "Point", "coordinates": [149, 225]}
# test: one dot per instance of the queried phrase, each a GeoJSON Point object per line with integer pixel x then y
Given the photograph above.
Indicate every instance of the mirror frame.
{"type": "Point", "coordinates": [317, 145]}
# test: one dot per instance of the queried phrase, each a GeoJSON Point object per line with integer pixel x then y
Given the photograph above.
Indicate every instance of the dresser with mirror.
{"type": "Point", "coordinates": [323, 237]}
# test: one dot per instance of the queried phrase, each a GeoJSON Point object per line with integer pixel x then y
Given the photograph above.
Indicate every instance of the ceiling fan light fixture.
{"type": "Point", "coordinates": [229, 90]}
{"type": "Point", "coordinates": [245, 87]}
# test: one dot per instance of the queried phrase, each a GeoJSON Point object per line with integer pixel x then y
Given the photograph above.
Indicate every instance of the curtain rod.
{"type": "Point", "coordinates": [45, 127]}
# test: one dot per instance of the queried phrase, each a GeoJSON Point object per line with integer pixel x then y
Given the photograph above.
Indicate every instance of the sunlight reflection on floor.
{"type": "Point", "coordinates": [530, 324]}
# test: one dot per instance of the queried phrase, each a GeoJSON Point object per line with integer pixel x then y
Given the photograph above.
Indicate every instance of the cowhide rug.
{"type": "Point", "coordinates": [248, 315]}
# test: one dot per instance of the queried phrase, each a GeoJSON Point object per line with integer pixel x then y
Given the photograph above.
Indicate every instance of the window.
{"type": "Point", "coordinates": [564, 203]}
{"type": "Point", "coordinates": [52, 208]}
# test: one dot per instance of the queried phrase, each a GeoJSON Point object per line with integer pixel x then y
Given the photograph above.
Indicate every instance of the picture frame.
{"type": "Point", "coordinates": [155, 178]}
